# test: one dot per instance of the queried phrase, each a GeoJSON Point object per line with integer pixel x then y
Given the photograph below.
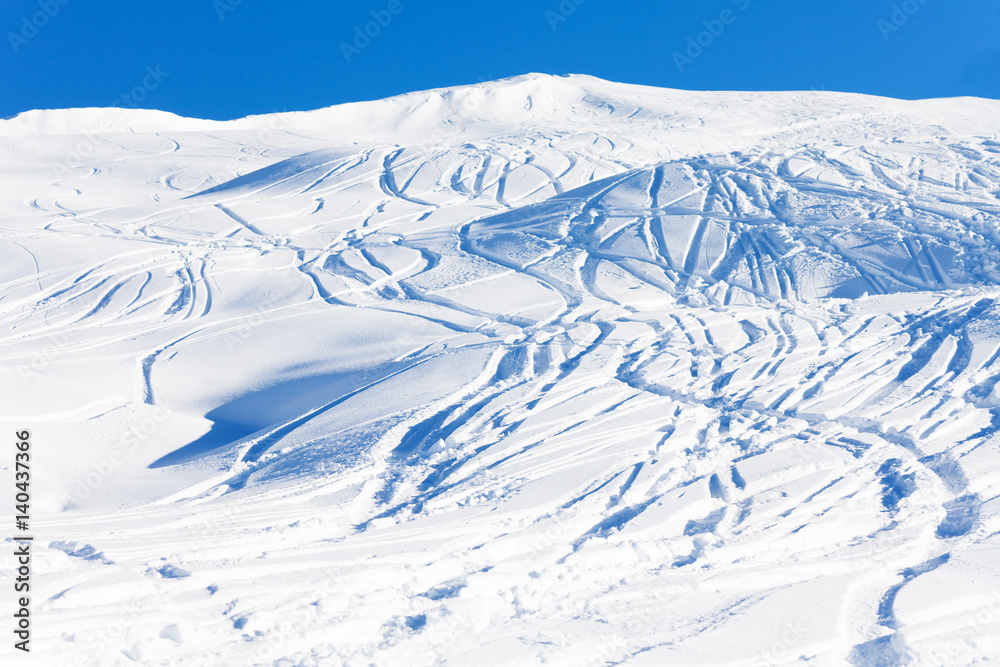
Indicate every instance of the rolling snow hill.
{"type": "Point", "coordinates": [546, 370]}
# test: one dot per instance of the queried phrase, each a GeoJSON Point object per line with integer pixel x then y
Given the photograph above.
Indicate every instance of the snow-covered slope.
{"type": "Point", "coordinates": [547, 370]}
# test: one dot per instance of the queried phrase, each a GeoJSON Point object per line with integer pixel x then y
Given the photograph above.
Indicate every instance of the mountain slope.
{"type": "Point", "coordinates": [547, 369]}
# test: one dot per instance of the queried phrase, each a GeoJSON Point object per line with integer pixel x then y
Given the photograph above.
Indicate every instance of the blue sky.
{"type": "Point", "coordinates": [230, 58]}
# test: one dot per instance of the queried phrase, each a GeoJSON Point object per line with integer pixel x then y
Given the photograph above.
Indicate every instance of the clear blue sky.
{"type": "Point", "coordinates": [230, 58]}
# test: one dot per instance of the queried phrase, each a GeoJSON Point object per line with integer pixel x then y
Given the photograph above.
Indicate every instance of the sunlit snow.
{"type": "Point", "coordinates": [547, 370]}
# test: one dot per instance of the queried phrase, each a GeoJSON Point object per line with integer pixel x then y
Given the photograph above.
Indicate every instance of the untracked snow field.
{"type": "Point", "coordinates": [541, 371]}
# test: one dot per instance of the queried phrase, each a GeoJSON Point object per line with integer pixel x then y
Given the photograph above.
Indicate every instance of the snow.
{"type": "Point", "coordinates": [546, 370]}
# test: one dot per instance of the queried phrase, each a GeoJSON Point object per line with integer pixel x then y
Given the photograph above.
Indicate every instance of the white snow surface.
{"type": "Point", "coordinates": [546, 370]}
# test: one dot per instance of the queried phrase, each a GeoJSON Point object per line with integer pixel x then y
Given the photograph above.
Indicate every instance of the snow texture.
{"type": "Point", "coordinates": [547, 370]}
